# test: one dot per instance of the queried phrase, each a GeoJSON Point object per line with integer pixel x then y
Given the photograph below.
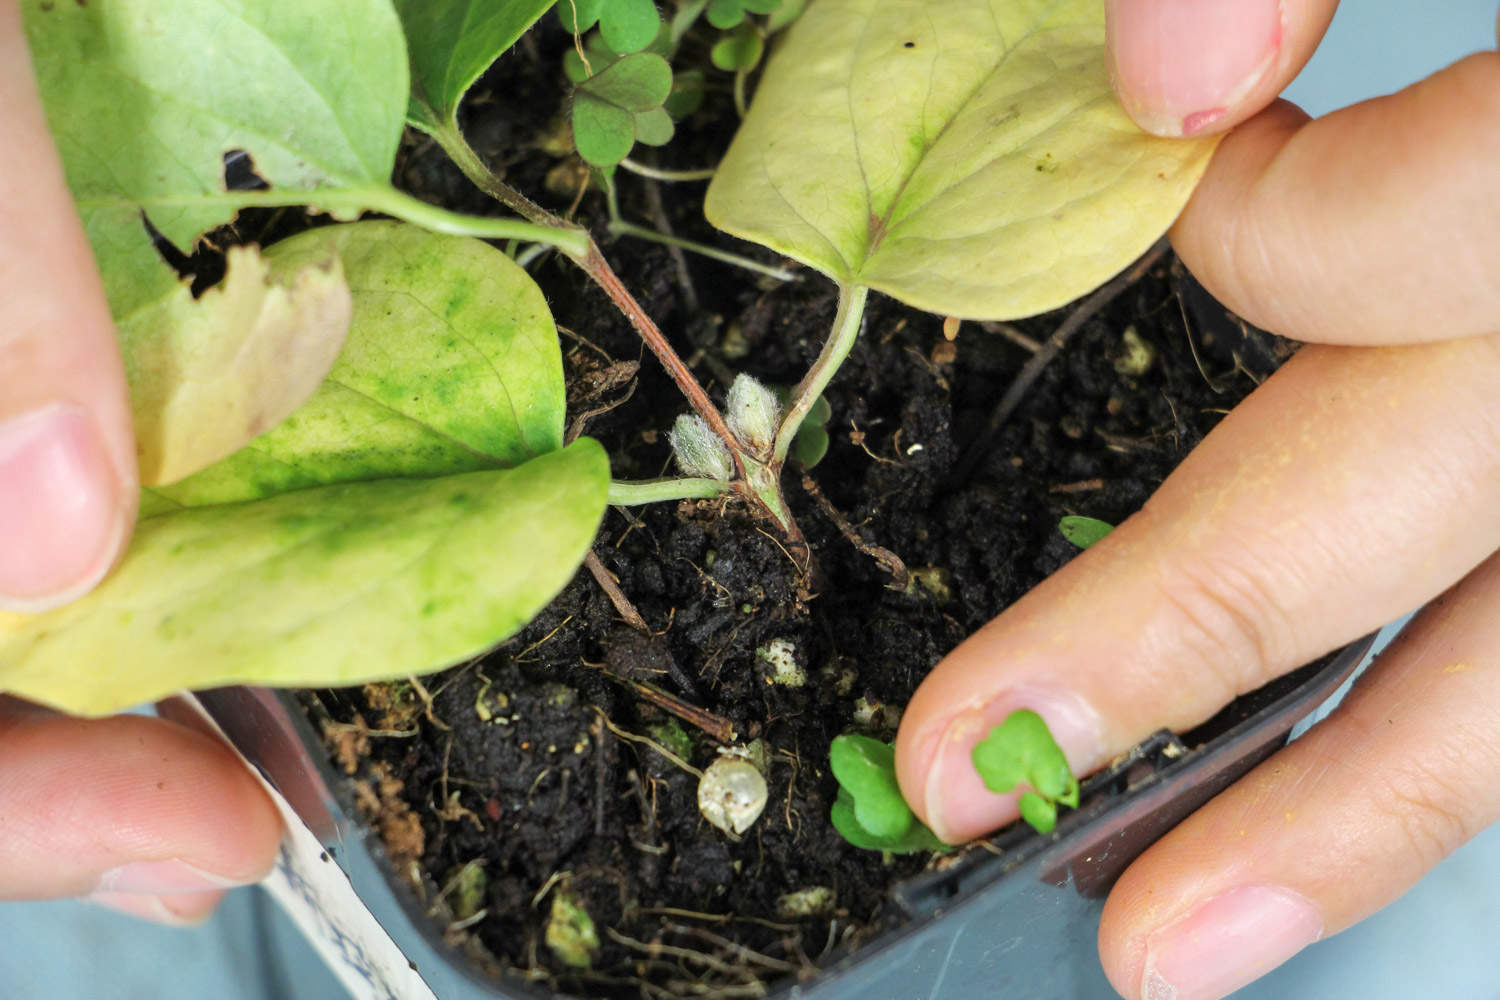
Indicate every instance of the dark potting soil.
{"type": "Point", "coordinates": [532, 776]}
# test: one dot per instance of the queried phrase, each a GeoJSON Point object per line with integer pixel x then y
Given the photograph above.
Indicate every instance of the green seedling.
{"type": "Point", "coordinates": [620, 106]}
{"type": "Point", "coordinates": [1021, 752]}
{"type": "Point", "coordinates": [571, 933]}
{"type": "Point", "coordinates": [1083, 531]}
{"type": "Point", "coordinates": [870, 812]}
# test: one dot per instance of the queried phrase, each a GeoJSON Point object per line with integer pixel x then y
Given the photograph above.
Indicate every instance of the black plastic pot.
{"type": "Point", "coordinates": [1017, 924]}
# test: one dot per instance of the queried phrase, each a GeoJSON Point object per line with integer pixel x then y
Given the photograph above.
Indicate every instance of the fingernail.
{"type": "Point", "coordinates": [959, 807]}
{"type": "Point", "coordinates": [1228, 941]}
{"type": "Point", "coordinates": [174, 911]}
{"type": "Point", "coordinates": [1181, 65]}
{"type": "Point", "coordinates": [162, 878]}
{"type": "Point", "coordinates": [61, 516]}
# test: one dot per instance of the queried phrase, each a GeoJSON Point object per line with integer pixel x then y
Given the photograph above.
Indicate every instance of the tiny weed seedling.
{"type": "Point", "coordinates": [870, 812]}
{"type": "Point", "coordinates": [1020, 752]}
{"type": "Point", "coordinates": [1083, 531]}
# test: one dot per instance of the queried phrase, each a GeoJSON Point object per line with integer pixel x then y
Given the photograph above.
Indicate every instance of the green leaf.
{"type": "Point", "coordinates": [638, 82]}
{"type": "Point", "coordinates": [965, 156]}
{"type": "Point", "coordinates": [1083, 531]}
{"type": "Point", "coordinates": [452, 42]}
{"type": "Point", "coordinates": [335, 585]}
{"type": "Point", "coordinates": [687, 94]}
{"type": "Point", "coordinates": [145, 98]}
{"type": "Point", "coordinates": [604, 133]}
{"type": "Point", "coordinates": [870, 812]}
{"type": "Point", "coordinates": [620, 104]}
{"type": "Point", "coordinates": [452, 365]}
{"type": "Point", "coordinates": [629, 25]}
{"type": "Point", "coordinates": [740, 49]}
{"type": "Point", "coordinates": [418, 509]}
{"type": "Point", "coordinates": [578, 16]}
{"type": "Point", "coordinates": [1021, 751]}
{"type": "Point", "coordinates": [654, 127]}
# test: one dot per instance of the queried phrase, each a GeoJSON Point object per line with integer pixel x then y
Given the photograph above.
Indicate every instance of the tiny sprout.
{"type": "Point", "coordinates": [1083, 531]}
{"type": "Point", "coordinates": [753, 413]}
{"type": "Point", "coordinates": [870, 812]}
{"type": "Point", "coordinates": [1021, 751]}
{"type": "Point", "coordinates": [570, 931]}
{"type": "Point", "coordinates": [698, 449]}
{"type": "Point", "coordinates": [732, 794]}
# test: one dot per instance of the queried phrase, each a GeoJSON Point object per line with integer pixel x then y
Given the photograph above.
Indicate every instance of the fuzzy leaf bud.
{"type": "Point", "coordinates": [698, 449]}
{"type": "Point", "coordinates": [753, 413]}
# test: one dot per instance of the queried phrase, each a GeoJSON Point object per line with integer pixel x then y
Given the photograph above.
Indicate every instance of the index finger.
{"type": "Point", "coordinates": [1247, 563]}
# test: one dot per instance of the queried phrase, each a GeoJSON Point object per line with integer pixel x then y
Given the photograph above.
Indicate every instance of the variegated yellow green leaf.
{"type": "Point", "coordinates": [418, 509]}
{"type": "Point", "coordinates": [965, 156]}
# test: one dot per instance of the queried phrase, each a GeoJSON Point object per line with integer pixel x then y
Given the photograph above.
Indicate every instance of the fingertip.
{"type": "Point", "coordinates": [1187, 68]}
{"type": "Point", "coordinates": [64, 512]}
{"type": "Point", "coordinates": [181, 910]}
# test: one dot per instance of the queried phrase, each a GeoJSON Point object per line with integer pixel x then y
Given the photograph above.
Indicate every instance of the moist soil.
{"type": "Point", "coordinates": [509, 787]}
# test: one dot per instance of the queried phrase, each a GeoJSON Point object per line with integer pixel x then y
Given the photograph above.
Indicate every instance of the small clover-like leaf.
{"type": "Point", "coordinates": [1021, 751]}
{"type": "Point", "coordinates": [811, 441]}
{"type": "Point", "coordinates": [1083, 531]}
{"type": "Point", "coordinates": [626, 25]}
{"type": "Point", "coordinates": [621, 104]}
{"type": "Point", "coordinates": [785, 13]}
{"type": "Point", "coordinates": [726, 14]}
{"type": "Point", "coordinates": [687, 94]}
{"type": "Point", "coordinates": [739, 49]}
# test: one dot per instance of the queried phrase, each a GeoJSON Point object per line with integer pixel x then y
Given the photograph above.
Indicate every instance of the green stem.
{"type": "Point", "coordinates": [846, 326]}
{"type": "Point", "coordinates": [597, 268]}
{"type": "Point", "coordinates": [670, 176]}
{"type": "Point", "coordinates": [633, 494]}
{"type": "Point", "coordinates": [347, 201]}
{"type": "Point", "coordinates": [620, 227]}
{"type": "Point", "coordinates": [684, 18]}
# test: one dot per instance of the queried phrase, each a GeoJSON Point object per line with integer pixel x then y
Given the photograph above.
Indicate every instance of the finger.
{"type": "Point", "coordinates": [1333, 827]}
{"type": "Point", "coordinates": [1245, 564]}
{"type": "Point", "coordinates": [1191, 67]}
{"type": "Point", "coordinates": [1377, 224]}
{"type": "Point", "coordinates": [67, 458]}
{"type": "Point", "coordinates": [127, 807]}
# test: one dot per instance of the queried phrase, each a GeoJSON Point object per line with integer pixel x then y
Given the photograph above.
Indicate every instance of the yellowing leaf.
{"type": "Point", "coordinates": [419, 508]}
{"type": "Point", "coordinates": [334, 585]}
{"type": "Point", "coordinates": [965, 156]}
{"type": "Point", "coordinates": [452, 365]}
{"type": "Point", "coordinates": [207, 376]}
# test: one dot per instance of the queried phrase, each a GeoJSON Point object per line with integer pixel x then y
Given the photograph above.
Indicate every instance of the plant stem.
{"type": "Point", "coordinates": [633, 494]}
{"type": "Point", "coordinates": [846, 326]}
{"type": "Point", "coordinates": [620, 227]}
{"type": "Point", "coordinates": [587, 256]}
{"type": "Point", "coordinates": [670, 176]}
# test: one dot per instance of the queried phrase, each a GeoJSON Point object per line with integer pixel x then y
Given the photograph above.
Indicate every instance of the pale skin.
{"type": "Point", "coordinates": [1360, 482]}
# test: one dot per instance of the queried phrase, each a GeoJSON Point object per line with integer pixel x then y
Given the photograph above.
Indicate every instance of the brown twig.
{"type": "Point", "coordinates": [611, 587]}
{"type": "Point", "coordinates": [888, 560]}
{"type": "Point", "coordinates": [1054, 344]}
{"type": "Point", "coordinates": [716, 726]}
{"type": "Point", "coordinates": [1082, 486]}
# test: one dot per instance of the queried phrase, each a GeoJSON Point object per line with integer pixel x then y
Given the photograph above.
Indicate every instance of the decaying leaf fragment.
{"type": "Point", "coordinates": [209, 375]}
{"type": "Point", "coordinates": [967, 157]}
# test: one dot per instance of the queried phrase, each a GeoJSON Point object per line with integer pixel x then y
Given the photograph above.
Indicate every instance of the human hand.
{"type": "Point", "coordinates": [1359, 482]}
{"type": "Point", "coordinates": [140, 814]}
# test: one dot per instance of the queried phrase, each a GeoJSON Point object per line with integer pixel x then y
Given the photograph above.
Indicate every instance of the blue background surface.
{"type": "Point", "coordinates": [1437, 941]}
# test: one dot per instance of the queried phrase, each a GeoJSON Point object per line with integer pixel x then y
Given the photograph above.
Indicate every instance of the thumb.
{"type": "Point", "coordinates": [67, 457]}
{"type": "Point", "coordinates": [1189, 67]}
